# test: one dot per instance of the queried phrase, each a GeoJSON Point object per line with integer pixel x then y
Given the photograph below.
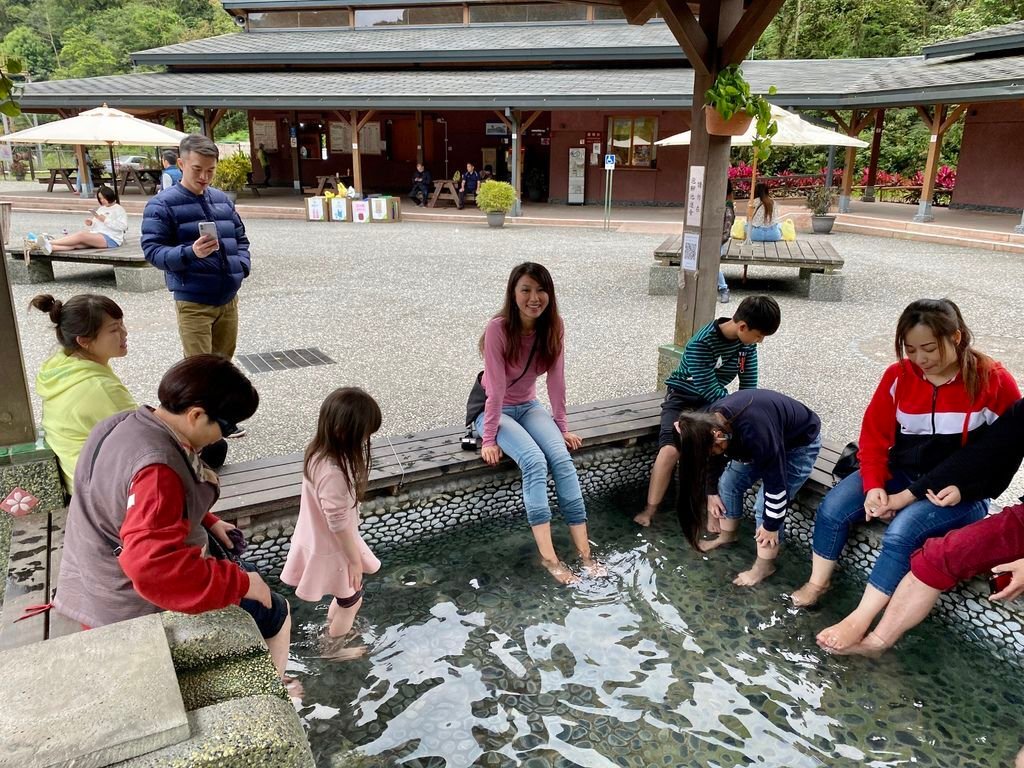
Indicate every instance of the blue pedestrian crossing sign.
{"type": "Point", "coordinates": [609, 162]}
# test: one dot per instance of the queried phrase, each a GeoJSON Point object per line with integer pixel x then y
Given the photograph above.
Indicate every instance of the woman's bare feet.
{"type": "Point", "coordinates": [759, 571]}
{"type": "Point", "coordinates": [848, 632]}
{"type": "Point", "coordinates": [872, 645]}
{"type": "Point", "coordinates": [809, 594]}
{"type": "Point", "coordinates": [723, 538]}
{"type": "Point", "coordinates": [560, 571]}
{"type": "Point", "coordinates": [593, 568]}
{"type": "Point", "coordinates": [644, 518]}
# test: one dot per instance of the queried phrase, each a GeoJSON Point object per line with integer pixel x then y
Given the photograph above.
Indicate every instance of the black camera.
{"type": "Point", "coordinates": [469, 441]}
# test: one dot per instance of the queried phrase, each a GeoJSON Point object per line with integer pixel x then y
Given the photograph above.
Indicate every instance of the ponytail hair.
{"type": "Point", "coordinates": [696, 439]}
{"type": "Point", "coordinates": [943, 318]}
{"type": "Point", "coordinates": [80, 316]}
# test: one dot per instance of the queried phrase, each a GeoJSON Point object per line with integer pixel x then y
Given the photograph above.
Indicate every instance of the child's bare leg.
{"type": "Point", "coordinates": [550, 561]}
{"type": "Point", "coordinates": [341, 622]}
{"type": "Point", "coordinates": [661, 476]}
{"type": "Point", "coordinates": [727, 535]}
{"type": "Point", "coordinates": [763, 567]}
{"type": "Point", "coordinates": [279, 643]}
{"type": "Point", "coordinates": [854, 627]}
{"type": "Point", "coordinates": [817, 585]}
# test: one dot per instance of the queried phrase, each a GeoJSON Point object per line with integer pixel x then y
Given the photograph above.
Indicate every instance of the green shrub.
{"type": "Point", "coordinates": [820, 200]}
{"type": "Point", "coordinates": [232, 172]}
{"type": "Point", "coordinates": [495, 197]}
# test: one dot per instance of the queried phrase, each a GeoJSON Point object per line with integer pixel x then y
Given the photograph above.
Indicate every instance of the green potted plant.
{"type": "Point", "coordinates": [19, 168]}
{"type": "Point", "coordinates": [820, 200]}
{"type": "Point", "coordinates": [495, 198]}
{"type": "Point", "coordinates": [232, 174]}
{"type": "Point", "coordinates": [730, 107]}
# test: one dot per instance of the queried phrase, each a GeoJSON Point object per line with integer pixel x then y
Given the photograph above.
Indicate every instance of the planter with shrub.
{"type": "Point", "coordinates": [232, 174]}
{"type": "Point", "coordinates": [496, 199]}
{"type": "Point", "coordinates": [820, 200]}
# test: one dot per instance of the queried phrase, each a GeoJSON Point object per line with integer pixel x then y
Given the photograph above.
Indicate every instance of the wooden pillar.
{"type": "Point", "coordinates": [357, 163]}
{"type": "Point", "coordinates": [708, 161]}
{"type": "Point", "coordinates": [876, 150]}
{"type": "Point", "coordinates": [938, 123]}
{"type": "Point", "coordinates": [17, 424]}
{"type": "Point", "coordinates": [419, 137]}
{"type": "Point", "coordinates": [858, 122]}
{"type": "Point", "coordinates": [179, 120]}
{"type": "Point", "coordinates": [84, 172]}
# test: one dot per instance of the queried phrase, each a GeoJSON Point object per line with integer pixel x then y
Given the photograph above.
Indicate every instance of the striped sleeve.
{"type": "Point", "coordinates": [701, 360]}
{"type": "Point", "coordinates": [748, 367]}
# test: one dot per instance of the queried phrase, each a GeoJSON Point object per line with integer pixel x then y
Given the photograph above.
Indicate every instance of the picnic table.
{"type": "Point", "coordinates": [445, 189]}
{"type": "Point", "coordinates": [335, 180]}
{"type": "Point", "coordinates": [60, 174]}
{"type": "Point", "coordinates": [141, 178]}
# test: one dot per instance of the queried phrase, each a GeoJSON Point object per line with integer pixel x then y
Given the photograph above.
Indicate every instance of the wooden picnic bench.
{"type": "Point", "coordinates": [335, 180]}
{"type": "Point", "coordinates": [68, 177]}
{"type": "Point", "coordinates": [131, 270]}
{"type": "Point", "coordinates": [812, 256]}
{"type": "Point", "coordinates": [274, 483]}
{"type": "Point", "coordinates": [144, 179]}
{"type": "Point", "coordinates": [445, 189]}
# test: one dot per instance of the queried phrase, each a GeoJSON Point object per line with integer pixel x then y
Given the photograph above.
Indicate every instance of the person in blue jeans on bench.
{"type": "Point", "coordinates": [763, 227]}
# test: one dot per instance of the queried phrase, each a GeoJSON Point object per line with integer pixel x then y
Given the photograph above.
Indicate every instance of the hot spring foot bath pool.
{"type": "Point", "coordinates": [475, 657]}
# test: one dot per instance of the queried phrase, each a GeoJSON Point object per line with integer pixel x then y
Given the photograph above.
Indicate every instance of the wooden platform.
{"type": "Point", "coordinates": [812, 254]}
{"type": "Point", "coordinates": [275, 482]}
{"type": "Point", "coordinates": [131, 270]}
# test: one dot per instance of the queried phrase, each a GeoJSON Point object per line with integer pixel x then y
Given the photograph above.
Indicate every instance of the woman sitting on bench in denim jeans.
{"type": "Point", "coordinates": [106, 227]}
{"type": "Point", "coordinates": [524, 340]}
{"type": "Point", "coordinates": [763, 227]}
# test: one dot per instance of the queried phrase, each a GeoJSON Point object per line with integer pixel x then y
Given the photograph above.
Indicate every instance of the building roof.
{"type": "Point", "coordinates": [1008, 37]}
{"type": "Point", "coordinates": [485, 43]}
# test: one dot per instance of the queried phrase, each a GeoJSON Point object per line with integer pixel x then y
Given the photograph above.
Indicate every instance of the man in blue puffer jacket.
{"type": "Point", "coordinates": [203, 272]}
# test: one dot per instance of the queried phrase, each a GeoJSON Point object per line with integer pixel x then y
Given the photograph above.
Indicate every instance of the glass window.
{"type": "Point", "coordinates": [274, 20]}
{"type": "Point", "coordinates": [451, 14]}
{"type": "Point", "coordinates": [632, 139]}
{"type": "Point", "coordinates": [324, 19]}
{"type": "Point", "coordinates": [493, 14]}
{"type": "Point", "coordinates": [556, 12]}
{"type": "Point", "coordinates": [608, 12]}
{"type": "Point", "coordinates": [380, 18]}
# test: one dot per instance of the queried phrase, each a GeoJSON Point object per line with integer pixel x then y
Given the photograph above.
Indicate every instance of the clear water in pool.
{"type": "Point", "coordinates": [475, 657]}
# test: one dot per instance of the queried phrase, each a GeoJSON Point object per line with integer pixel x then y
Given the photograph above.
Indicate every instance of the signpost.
{"type": "Point", "coordinates": [609, 171]}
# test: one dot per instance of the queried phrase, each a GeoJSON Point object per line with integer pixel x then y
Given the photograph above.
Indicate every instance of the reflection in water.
{"type": "Point", "coordinates": [481, 660]}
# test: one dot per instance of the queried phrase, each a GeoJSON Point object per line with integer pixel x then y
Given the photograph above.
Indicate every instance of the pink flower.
{"type": "Point", "coordinates": [19, 502]}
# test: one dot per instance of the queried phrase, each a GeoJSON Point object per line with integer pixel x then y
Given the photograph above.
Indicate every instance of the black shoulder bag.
{"type": "Point", "coordinates": [478, 399]}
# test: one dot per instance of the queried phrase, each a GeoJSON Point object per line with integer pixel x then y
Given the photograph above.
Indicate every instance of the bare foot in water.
{"type": "Point", "coordinates": [593, 568]}
{"type": "Point", "coordinates": [809, 594]}
{"type": "Point", "coordinates": [293, 687]}
{"type": "Point", "coordinates": [723, 538]}
{"type": "Point", "coordinates": [848, 632]}
{"type": "Point", "coordinates": [644, 518]}
{"type": "Point", "coordinates": [760, 571]}
{"type": "Point", "coordinates": [872, 646]}
{"type": "Point", "coordinates": [560, 571]}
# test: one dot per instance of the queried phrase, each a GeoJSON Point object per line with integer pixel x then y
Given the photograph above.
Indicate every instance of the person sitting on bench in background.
{"type": "Point", "coordinates": [422, 181]}
{"type": "Point", "coordinates": [763, 227]}
{"type": "Point", "coordinates": [468, 184]}
{"type": "Point", "coordinates": [106, 227]}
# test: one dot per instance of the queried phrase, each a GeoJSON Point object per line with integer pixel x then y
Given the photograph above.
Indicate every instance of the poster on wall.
{"type": "Point", "coordinates": [265, 132]}
{"type": "Point", "coordinates": [340, 139]}
{"type": "Point", "coordinates": [577, 175]}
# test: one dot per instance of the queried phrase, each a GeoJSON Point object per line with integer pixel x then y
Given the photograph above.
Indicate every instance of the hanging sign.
{"type": "Point", "coordinates": [691, 245]}
{"type": "Point", "coordinates": [695, 196]}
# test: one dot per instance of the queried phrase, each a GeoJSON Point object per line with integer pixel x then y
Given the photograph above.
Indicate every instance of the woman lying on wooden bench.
{"type": "Point", "coordinates": [106, 227]}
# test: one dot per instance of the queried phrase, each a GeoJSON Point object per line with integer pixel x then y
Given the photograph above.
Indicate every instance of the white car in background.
{"type": "Point", "coordinates": [137, 162]}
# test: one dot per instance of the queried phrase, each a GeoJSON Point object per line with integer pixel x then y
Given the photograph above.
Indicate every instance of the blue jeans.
{"type": "Point", "coordinates": [740, 476]}
{"type": "Point", "coordinates": [529, 436]}
{"type": "Point", "coordinates": [770, 234]}
{"type": "Point", "coordinates": [910, 528]}
{"type": "Point", "coordinates": [722, 285]}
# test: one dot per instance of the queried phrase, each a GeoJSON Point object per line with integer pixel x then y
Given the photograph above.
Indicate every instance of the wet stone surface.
{"type": "Point", "coordinates": [475, 657]}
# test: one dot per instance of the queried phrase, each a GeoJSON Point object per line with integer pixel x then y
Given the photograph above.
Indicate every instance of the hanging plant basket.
{"type": "Point", "coordinates": [736, 125]}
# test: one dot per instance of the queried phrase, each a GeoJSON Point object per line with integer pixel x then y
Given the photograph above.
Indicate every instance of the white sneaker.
{"type": "Point", "coordinates": [45, 245]}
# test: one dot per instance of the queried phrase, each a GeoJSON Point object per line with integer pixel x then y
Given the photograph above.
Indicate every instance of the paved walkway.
{"type": "Point", "coordinates": [400, 309]}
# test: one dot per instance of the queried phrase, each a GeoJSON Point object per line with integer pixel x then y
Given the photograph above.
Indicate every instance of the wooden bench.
{"type": "Point", "coordinates": [131, 270]}
{"type": "Point", "coordinates": [812, 256]}
{"type": "Point", "coordinates": [274, 483]}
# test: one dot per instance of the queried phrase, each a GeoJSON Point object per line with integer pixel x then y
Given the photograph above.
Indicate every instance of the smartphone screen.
{"type": "Point", "coordinates": [208, 228]}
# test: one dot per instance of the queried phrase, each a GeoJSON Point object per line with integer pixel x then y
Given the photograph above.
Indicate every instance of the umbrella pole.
{"type": "Point", "coordinates": [750, 196]}
{"type": "Point", "coordinates": [113, 170]}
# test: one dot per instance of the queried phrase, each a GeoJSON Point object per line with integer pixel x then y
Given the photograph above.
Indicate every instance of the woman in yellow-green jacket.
{"type": "Point", "coordinates": [77, 386]}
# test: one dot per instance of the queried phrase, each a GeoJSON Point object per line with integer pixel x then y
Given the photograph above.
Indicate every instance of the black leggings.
{"type": "Point", "coordinates": [348, 602]}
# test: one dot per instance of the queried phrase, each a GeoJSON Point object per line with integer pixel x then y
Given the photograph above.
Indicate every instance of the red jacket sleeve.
{"type": "Point", "coordinates": [878, 431]}
{"type": "Point", "coordinates": [162, 568]}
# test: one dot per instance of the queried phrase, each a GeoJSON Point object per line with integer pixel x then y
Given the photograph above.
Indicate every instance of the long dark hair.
{"type": "Point", "coordinates": [549, 324]}
{"type": "Point", "coordinates": [348, 418]}
{"type": "Point", "coordinates": [762, 194]}
{"type": "Point", "coordinates": [81, 315]}
{"type": "Point", "coordinates": [696, 439]}
{"type": "Point", "coordinates": [942, 317]}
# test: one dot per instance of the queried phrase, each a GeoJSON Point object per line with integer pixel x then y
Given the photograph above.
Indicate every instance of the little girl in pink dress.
{"type": "Point", "coordinates": [327, 555]}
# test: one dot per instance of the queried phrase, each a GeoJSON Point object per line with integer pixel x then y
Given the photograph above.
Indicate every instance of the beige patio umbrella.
{"type": "Point", "coordinates": [794, 131]}
{"type": "Point", "coordinates": [95, 127]}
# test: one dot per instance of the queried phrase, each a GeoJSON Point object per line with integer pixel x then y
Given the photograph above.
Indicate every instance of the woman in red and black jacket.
{"type": "Point", "coordinates": [941, 394]}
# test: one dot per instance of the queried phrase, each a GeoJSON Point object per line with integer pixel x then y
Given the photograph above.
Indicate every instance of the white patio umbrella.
{"type": "Point", "coordinates": [794, 131]}
{"type": "Point", "coordinates": [94, 127]}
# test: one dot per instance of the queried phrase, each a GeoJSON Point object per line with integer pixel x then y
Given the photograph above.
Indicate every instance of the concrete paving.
{"type": "Point", "coordinates": [92, 699]}
{"type": "Point", "coordinates": [400, 309]}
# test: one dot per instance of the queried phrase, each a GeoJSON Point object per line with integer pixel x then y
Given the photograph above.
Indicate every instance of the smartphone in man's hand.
{"type": "Point", "coordinates": [208, 229]}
